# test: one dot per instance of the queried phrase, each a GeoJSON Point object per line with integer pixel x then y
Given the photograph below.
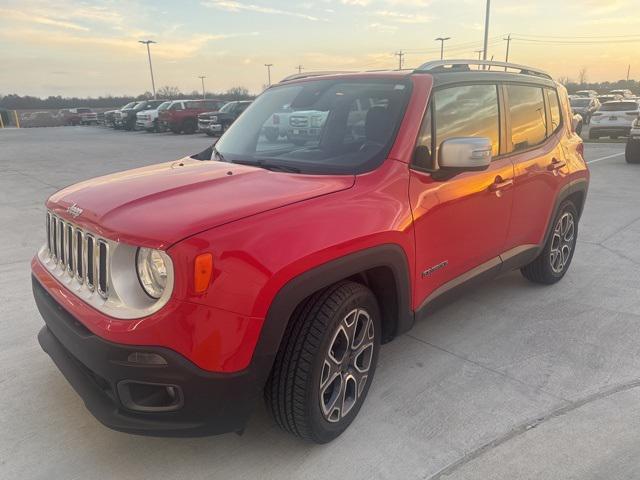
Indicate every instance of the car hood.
{"type": "Point", "coordinates": [159, 205]}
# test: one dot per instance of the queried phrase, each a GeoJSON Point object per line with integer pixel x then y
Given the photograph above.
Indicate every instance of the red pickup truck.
{"type": "Point", "coordinates": [182, 115]}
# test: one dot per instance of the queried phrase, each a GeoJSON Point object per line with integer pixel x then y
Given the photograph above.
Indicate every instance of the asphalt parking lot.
{"type": "Point", "coordinates": [513, 381]}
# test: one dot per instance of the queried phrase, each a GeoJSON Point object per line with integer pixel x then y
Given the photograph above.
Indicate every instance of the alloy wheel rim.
{"type": "Point", "coordinates": [562, 243]}
{"type": "Point", "coordinates": [346, 365]}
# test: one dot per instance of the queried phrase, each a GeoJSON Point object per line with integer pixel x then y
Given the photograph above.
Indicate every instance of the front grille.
{"type": "Point", "coordinates": [79, 254]}
{"type": "Point", "coordinates": [297, 121]}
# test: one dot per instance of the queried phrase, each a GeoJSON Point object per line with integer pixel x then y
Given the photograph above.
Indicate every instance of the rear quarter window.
{"type": "Point", "coordinates": [554, 109]}
{"type": "Point", "coordinates": [527, 114]}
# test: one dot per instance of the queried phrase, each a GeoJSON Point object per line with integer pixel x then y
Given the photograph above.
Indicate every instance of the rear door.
{"type": "Point", "coordinates": [460, 223]}
{"type": "Point", "coordinates": [534, 143]}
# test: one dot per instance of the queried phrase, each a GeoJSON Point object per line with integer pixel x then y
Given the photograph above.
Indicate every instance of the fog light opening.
{"type": "Point", "coordinates": [150, 397]}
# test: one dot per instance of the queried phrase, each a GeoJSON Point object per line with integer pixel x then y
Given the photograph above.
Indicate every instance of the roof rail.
{"type": "Point", "coordinates": [463, 65]}
{"type": "Point", "coordinates": [298, 76]}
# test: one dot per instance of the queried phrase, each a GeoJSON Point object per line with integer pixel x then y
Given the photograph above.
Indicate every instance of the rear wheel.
{"type": "Point", "coordinates": [632, 151]}
{"type": "Point", "coordinates": [554, 260]}
{"type": "Point", "coordinates": [326, 362]}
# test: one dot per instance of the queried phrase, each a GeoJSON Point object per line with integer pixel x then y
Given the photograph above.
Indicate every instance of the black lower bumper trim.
{"type": "Point", "coordinates": [212, 403]}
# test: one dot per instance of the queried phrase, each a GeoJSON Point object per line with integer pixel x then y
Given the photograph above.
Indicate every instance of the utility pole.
{"type": "Point", "coordinates": [486, 30]}
{"type": "Point", "coordinates": [268, 65]}
{"type": "Point", "coordinates": [153, 83]}
{"type": "Point", "coordinates": [506, 58]}
{"type": "Point", "coordinates": [628, 72]}
{"type": "Point", "coordinates": [202, 77]}
{"type": "Point", "coordinates": [442, 40]}
{"type": "Point", "coordinates": [400, 54]}
{"type": "Point", "coordinates": [299, 67]}
{"type": "Point", "coordinates": [479, 52]}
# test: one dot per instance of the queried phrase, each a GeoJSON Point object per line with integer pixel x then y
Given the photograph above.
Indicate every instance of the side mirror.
{"type": "Point", "coordinates": [575, 121]}
{"type": "Point", "coordinates": [465, 154]}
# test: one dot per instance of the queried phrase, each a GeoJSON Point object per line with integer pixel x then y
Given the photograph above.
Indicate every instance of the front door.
{"type": "Point", "coordinates": [461, 223]}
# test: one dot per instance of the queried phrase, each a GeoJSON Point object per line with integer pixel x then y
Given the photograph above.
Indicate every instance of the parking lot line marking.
{"type": "Point", "coordinates": [605, 158]}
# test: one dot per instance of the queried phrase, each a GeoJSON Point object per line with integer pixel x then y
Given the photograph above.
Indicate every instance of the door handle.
{"type": "Point", "coordinates": [556, 165]}
{"type": "Point", "coordinates": [500, 184]}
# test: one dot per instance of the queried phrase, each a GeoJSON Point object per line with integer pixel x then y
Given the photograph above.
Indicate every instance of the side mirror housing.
{"type": "Point", "coordinates": [465, 154]}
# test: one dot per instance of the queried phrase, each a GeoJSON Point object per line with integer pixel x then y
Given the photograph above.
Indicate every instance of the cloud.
{"type": "Point", "coordinates": [234, 6]}
{"type": "Point", "coordinates": [33, 17]}
{"type": "Point", "coordinates": [382, 28]}
{"type": "Point", "coordinates": [403, 17]}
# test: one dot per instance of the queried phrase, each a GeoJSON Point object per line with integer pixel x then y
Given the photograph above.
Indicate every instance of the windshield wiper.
{"type": "Point", "coordinates": [276, 167]}
{"type": "Point", "coordinates": [217, 154]}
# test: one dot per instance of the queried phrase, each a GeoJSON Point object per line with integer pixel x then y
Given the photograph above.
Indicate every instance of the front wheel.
{"type": "Point", "coordinates": [554, 260]}
{"type": "Point", "coordinates": [632, 151]}
{"type": "Point", "coordinates": [326, 362]}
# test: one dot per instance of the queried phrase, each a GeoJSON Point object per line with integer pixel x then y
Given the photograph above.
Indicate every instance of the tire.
{"type": "Point", "coordinates": [632, 152]}
{"type": "Point", "coordinates": [593, 136]}
{"type": "Point", "coordinates": [176, 130]}
{"type": "Point", "coordinates": [555, 259]}
{"type": "Point", "coordinates": [271, 135]}
{"type": "Point", "coordinates": [322, 329]}
{"type": "Point", "coordinates": [210, 134]}
{"type": "Point", "coordinates": [189, 126]}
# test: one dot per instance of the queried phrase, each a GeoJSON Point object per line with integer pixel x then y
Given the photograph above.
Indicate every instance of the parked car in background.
{"type": "Point", "coordinates": [213, 123]}
{"type": "Point", "coordinates": [182, 115]}
{"type": "Point", "coordinates": [306, 126]}
{"type": "Point", "coordinates": [586, 93]}
{"type": "Point", "coordinates": [79, 116]}
{"type": "Point", "coordinates": [109, 118]}
{"type": "Point", "coordinates": [128, 117]}
{"type": "Point", "coordinates": [277, 124]}
{"type": "Point", "coordinates": [632, 151]}
{"type": "Point", "coordinates": [148, 119]}
{"type": "Point", "coordinates": [120, 116]}
{"type": "Point", "coordinates": [248, 271]}
{"type": "Point", "coordinates": [614, 119]}
{"type": "Point", "coordinates": [585, 107]}
{"type": "Point", "coordinates": [624, 92]}
{"type": "Point", "coordinates": [609, 98]}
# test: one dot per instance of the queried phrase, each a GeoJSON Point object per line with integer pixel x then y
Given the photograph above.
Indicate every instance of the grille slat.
{"type": "Point", "coordinates": [79, 254]}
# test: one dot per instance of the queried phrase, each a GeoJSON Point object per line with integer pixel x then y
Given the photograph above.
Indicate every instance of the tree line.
{"type": "Point", "coordinates": [26, 102]}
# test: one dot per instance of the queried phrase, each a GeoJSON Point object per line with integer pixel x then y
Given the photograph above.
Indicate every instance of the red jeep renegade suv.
{"type": "Point", "coordinates": [176, 295]}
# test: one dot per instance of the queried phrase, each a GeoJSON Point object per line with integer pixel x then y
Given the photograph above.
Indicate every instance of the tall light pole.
{"type": "Point", "coordinates": [202, 77]}
{"type": "Point", "coordinates": [153, 83]}
{"type": "Point", "coordinates": [268, 65]}
{"type": "Point", "coordinates": [442, 40]}
{"type": "Point", "coordinates": [299, 67]}
{"type": "Point", "coordinates": [486, 30]}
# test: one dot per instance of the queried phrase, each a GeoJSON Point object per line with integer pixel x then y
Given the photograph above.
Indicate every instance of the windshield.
{"type": "Point", "coordinates": [324, 126]}
{"type": "Point", "coordinates": [227, 107]}
{"type": "Point", "coordinates": [128, 105]}
{"type": "Point", "coordinates": [580, 102]}
{"type": "Point", "coordinates": [619, 107]}
{"type": "Point", "coordinates": [164, 106]}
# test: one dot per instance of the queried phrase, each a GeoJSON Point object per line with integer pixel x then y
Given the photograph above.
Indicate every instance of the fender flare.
{"type": "Point", "coordinates": [580, 185]}
{"type": "Point", "coordinates": [309, 282]}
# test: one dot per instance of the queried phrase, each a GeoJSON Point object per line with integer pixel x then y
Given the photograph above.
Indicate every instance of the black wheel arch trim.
{"type": "Point", "coordinates": [580, 185]}
{"type": "Point", "coordinates": [322, 276]}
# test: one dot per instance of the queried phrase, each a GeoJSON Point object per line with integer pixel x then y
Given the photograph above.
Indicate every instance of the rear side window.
{"type": "Point", "coordinates": [467, 111]}
{"type": "Point", "coordinates": [176, 106]}
{"type": "Point", "coordinates": [528, 118]}
{"type": "Point", "coordinates": [554, 108]}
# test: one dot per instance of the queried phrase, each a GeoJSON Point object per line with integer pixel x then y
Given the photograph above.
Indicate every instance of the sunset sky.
{"type": "Point", "coordinates": [61, 47]}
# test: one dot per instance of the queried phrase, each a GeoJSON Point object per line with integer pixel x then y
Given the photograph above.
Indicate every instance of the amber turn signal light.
{"type": "Point", "coordinates": [202, 272]}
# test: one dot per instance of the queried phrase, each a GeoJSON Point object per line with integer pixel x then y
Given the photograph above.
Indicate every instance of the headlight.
{"type": "Point", "coordinates": [214, 119]}
{"type": "Point", "coordinates": [152, 271]}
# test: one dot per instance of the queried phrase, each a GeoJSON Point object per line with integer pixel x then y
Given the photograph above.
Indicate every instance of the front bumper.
{"type": "Point", "coordinates": [145, 124]}
{"type": "Point", "coordinates": [207, 126]}
{"type": "Point", "coordinates": [209, 403]}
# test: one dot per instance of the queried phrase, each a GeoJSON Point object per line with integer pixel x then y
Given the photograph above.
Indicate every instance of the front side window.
{"type": "Point", "coordinates": [554, 108]}
{"type": "Point", "coordinates": [321, 126]}
{"type": "Point", "coordinates": [528, 120]}
{"type": "Point", "coordinates": [176, 106]}
{"type": "Point", "coordinates": [467, 111]}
